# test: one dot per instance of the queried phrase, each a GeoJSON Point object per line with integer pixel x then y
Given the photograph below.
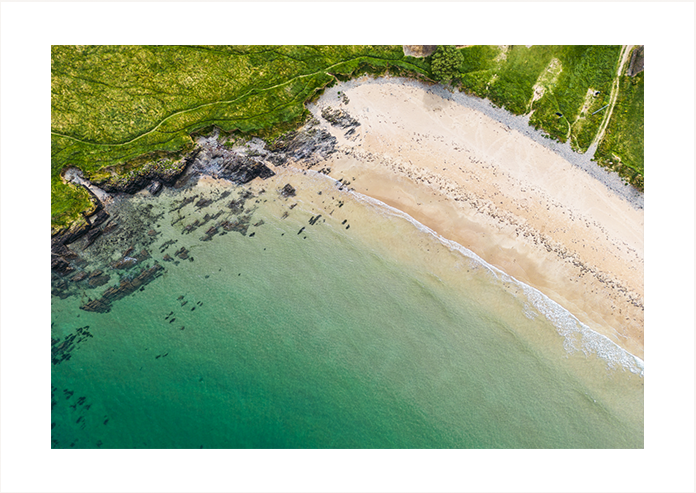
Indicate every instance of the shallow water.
{"type": "Point", "coordinates": [361, 330]}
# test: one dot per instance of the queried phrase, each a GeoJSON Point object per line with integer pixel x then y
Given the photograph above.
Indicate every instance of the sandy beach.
{"type": "Point", "coordinates": [483, 178]}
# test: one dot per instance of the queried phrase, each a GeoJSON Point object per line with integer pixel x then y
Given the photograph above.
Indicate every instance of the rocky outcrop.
{"type": "Point", "coordinates": [153, 175]}
{"type": "Point", "coordinates": [237, 164]}
{"type": "Point", "coordinates": [310, 145]}
{"type": "Point", "coordinates": [61, 255]}
{"type": "Point", "coordinates": [155, 187]}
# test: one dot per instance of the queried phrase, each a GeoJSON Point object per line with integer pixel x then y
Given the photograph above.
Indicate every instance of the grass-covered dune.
{"type": "Point", "coordinates": [567, 90]}
{"type": "Point", "coordinates": [114, 107]}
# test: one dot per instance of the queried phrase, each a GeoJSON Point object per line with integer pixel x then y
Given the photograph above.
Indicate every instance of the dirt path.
{"type": "Point", "coordinates": [251, 92]}
{"type": "Point", "coordinates": [625, 51]}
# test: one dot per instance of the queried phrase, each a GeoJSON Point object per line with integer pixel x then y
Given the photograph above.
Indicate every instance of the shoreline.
{"type": "Point", "coordinates": [473, 180]}
{"type": "Point", "coordinates": [491, 188]}
{"type": "Point", "coordinates": [577, 337]}
{"type": "Point", "coordinates": [566, 326]}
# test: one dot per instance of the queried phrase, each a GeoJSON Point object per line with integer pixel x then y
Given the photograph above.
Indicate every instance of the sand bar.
{"type": "Point", "coordinates": [569, 230]}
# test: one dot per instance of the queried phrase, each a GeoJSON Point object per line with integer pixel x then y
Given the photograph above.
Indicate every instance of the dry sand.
{"type": "Point", "coordinates": [511, 200]}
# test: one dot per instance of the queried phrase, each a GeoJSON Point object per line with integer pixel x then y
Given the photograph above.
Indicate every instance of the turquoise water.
{"type": "Point", "coordinates": [362, 331]}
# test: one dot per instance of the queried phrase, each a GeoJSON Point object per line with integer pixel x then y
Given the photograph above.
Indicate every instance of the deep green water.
{"type": "Point", "coordinates": [375, 336]}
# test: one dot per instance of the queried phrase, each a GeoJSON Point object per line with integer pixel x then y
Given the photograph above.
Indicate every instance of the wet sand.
{"type": "Point", "coordinates": [516, 203]}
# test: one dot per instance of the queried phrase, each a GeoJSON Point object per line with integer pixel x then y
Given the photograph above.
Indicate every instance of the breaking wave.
{"type": "Point", "coordinates": [577, 337]}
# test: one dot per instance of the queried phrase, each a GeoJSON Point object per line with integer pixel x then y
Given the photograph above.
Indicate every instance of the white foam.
{"type": "Point", "coordinates": [577, 336]}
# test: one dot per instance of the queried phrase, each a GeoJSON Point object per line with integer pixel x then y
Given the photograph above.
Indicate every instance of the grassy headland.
{"type": "Point", "coordinates": [113, 104]}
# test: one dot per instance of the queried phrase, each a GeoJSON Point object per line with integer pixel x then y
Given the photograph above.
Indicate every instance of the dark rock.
{"type": "Point", "coordinates": [166, 244]}
{"type": "Point", "coordinates": [191, 227]}
{"type": "Point", "coordinates": [99, 281]}
{"type": "Point", "coordinates": [147, 176]}
{"type": "Point", "coordinates": [182, 253]}
{"type": "Point", "coordinates": [155, 187]}
{"type": "Point", "coordinates": [143, 255]}
{"type": "Point", "coordinates": [235, 167]}
{"type": "Point", "coordinates": [239, 226]}
{"type": "Point", "coordinates": [288, 191]}
{"type": "Point", "coordinates": [339, 118]}
{"type": "Point", "coordinates": [184, 202]}
{"type": "Point", "coordinates": [92, 235]}
{"type": "Point", "coordinates": [637, 62]}
{"type": "Point", "coordinates": [98, 217]}
{"type": "Point", "coordinates": [203, 203]}
{"type": "Point", "coordinates": [124, 288]}
{"type": "Point", "coordinates": [237, 206]}
{"type": "Point", "coordinates": [210, 233]}
{"type": "Point", "coordinates": [309, 145]}
{"type": "Point", "coordinates": [60, 265]}
{"type": "Point", "coordinates": [108, 228]}
{"type": "Point", "coordinates": [124, 263]}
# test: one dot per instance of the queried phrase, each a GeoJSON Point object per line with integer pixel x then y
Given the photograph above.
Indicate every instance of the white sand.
{"type": "Point", "coordinates": [512, 201]}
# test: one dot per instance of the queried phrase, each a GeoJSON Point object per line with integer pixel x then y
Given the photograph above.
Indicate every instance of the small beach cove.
{"type": "Point", "coordinates": [387, 276]}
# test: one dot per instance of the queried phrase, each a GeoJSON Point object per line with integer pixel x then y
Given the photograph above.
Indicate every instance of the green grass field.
{"type": "Point", "coordinates": [623, 144]}
{"type": "Point", "coordinates": [569, 75]}
{"type": "Point", "coordinates": [113, 106]}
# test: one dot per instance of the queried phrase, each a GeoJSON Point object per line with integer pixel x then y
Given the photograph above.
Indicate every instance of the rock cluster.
{"type": "Point", "coordinates": [60, 350]}
{"type": "Point", "coordinates": [238, 165]}
{"type": "Point", "coordinates": [310, 145]}
{"type": "Point", "coordinates": [124, 288]}
{"type": "Point", "coordinates": [339, 118]}
{"type": "Point", "coordinates": [61, 255]}
{"type": "Point", "coordinates": [152, 176]}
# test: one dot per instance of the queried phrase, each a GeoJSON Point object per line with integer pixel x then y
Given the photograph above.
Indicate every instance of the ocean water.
{"type": "Point", "coordinates": [357, 329]}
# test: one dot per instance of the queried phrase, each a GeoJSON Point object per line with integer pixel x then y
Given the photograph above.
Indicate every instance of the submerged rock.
{"type": "Point", "coordinates": [288, 191]}
{"type": "Point", "coordinates": [99, 281]}
{"type": "Point", "coordinates": [123, 289]}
